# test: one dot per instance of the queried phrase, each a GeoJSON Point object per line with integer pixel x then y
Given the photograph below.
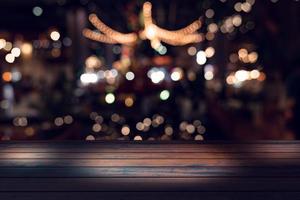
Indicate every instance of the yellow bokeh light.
{"type": "Point", "coordinates": [252, 57]}
{"type": "Point", "coordinates": [26, 49]}
{"type": "Point", "coordinates": [138, 138]}
{"type": "Point", "coordinates": [210, 52]}
{"type": "Point", "coordinates": [129, 101]}
{"type": "Point", "coordinates": [243, 53]}
{"type": "Point", "coordinates": [125, 130]}
{"type": "Point", "coordinates": [2, 43]}
{"type": "Point", "coordinates": [8, 46]}
{"type": "Point", "coordinates": [10, 58]}
{"type": "Point", "coordinates": [16, 52]}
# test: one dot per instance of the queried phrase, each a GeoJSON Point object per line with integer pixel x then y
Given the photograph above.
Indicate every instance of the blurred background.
{"type": "Point", "coordinates": [232, 74]}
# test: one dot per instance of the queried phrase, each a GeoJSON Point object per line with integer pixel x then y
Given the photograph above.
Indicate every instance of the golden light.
{"type": "Point", "coordinates": [147, 121]}
{"type": "Point", "coordinates": [192, 51]}
{"type": "Point", "coordinates": [97, 127]}
{"type": "Point", "coordinates": [252, 57]}
{"type": "Point", "coordinates": [199, 137]}
{"type": "Point", "coordinates": [125, 130]}
{"type": "Point", "coordinates": [246, 7]}
{"type": "Point", "coordinates": [210, 52]}
{"type": "Point", "coordinates": [26, 49]}
{"type": "Point", "coordinates": [242, 75]}
{"type": "Point", "coordinates": [16, 52]}
{"type": "Point", "coordinates": [55, 35]}
{"type": "Point", "coordinates": [140, 126]}
{"type": "Point", "coordinates": [90, 138]}
{"type": "Point", "coordinates": [138, 138]}
{"type": "Point", "coordinates": [254, 74]}
{"type": "Point", "coordinates": [168, 130]}
{"type": "Point", "coordinates": [237, 20]}
{"type": "Point", "coordinates": [230, 80]}
{"type": "Point", "coordinates": [243, 53]}
{"type": "Point", "coordinates": [238, 6]}
{"type": "Point", "coordinates": [213, 28]}
{"type": "Point", "coordinates": [8, 46]}
{"type": "Point", "coordinates": [209, 75]}
{"type": "Point", "coordinates": [177, 74]}
{"type": "Point", "coordinates": [151, 31]}
{"type": "Point", "coordinates": [190, 128]}
{"type": "Point", "coordinates": [2, 43]}
{"type": "Point", "coordinates": [129, 101]}
{"type": "Point", "coordinates": [93, 62]}
{"type": "Point", "coordinates": [10, 58]}
{"type": "Point", "coordinates": [109, 35]}
{"type": "Point", "coordinates": [98, 37]}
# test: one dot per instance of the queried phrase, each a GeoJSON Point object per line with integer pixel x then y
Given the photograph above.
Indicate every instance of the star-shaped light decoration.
{"type": "Point", "coordinates": [151, 31]}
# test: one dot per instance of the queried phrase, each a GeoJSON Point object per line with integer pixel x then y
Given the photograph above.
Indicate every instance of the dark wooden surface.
{"type": "Point", "coordinates": [124, 170]}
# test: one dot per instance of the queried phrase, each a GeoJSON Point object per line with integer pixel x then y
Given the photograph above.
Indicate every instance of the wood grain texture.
{"type": "Point", "coordinates": [132, 170]}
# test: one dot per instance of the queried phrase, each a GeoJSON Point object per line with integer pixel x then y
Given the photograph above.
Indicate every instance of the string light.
{"type": "Point", "coordinates": [109, 35]}
{"type": "Point", "coordinates": [98, 37]}
{"type": "Point", "coordinates": [151, 32]}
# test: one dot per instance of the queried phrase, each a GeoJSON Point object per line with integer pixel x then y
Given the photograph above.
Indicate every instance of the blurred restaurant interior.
{"type": "Point", "coordinates": [158, 70]}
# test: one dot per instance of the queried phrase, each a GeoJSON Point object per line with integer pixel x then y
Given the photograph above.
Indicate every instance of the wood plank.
{"type": "Point", "coordinates": [149, 184]}
{"type": "Point", "coordinates": [107, 170]}
{"type": "Point", "coordinates": [147, 162]}
{"type": "Point", "coordinates": [274, 195]}
{"type": "Point", "coordinates": [94, 147]}
{"type": "Point", "coordinates": [211, 149]}
{"type": "Point", "coordinates": [139, 155]}
{"type": "Point", "coordinates": [154, 172]}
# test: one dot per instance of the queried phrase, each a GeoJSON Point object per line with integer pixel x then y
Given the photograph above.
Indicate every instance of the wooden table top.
{"type": "Point", "coordinates": [147, 170]}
